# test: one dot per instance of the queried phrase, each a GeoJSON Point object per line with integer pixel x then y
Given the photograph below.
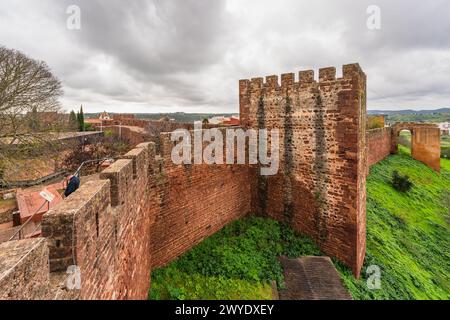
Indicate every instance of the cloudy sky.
{"type": "Point", "coordinates": [188, 55]}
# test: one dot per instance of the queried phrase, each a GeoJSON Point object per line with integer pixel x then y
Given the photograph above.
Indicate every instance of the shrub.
{"type": "Point", "coordinates": [401, 183]}
{"type": "Point", "coordinates": [89, 127]}
{"type": "Point", "coordinates": [108, 134]}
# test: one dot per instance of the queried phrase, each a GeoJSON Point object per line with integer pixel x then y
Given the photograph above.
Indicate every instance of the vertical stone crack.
{"type": "Point", "coordinates": [262, 180]}
{"type": "Point", "coordinates": [288, 162]}
{"type": "Point", "coordinates": [320, 170]}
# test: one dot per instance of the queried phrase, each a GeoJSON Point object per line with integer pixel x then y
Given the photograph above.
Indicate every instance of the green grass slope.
{"type": "Point", "coordinates": [239, 262]}
{"type": "Point", "coordinates": [407, 233]}
{"type": "Point", "coordinates": [407, 237]}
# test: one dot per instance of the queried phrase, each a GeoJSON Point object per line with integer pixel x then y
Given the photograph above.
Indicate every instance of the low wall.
{"type": "Point", "coordinates": [6, 216]}
{"type": "Point", "coordinates": [81, 138]}
{"type": "Point", "coordinates": [104, 228]}
{"type": "Point", "coordinates": [24, 270]}
{"type": "Point", "coordinates": [378, 144]}
{"type": "Point", "coordinates": [133, 135]}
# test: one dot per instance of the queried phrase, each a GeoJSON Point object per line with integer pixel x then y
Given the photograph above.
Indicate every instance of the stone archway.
{"type": "Point", "coordinates": [425, 142]}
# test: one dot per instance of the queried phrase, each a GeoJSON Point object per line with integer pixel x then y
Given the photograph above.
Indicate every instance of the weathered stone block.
{"type": "Point", "coordinates": [24, 270]}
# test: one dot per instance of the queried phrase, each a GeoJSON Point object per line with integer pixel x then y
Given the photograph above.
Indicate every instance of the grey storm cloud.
{"type": "Point", "coordinates": [156, 37]}
{"type": "Point", "coordinates": [173, 55]}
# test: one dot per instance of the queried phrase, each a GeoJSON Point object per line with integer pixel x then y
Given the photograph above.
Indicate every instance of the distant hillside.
{"type": "Point", "coordinates": [177, 116]}
{"type": "Point", "coordinates": [438, 115]}
{"type": "Point", "coordinates": [181, 116]}
{"type": "Point", "coordinates": [408, 112]}
{"type": "Point", "coordinates": [435, 116]}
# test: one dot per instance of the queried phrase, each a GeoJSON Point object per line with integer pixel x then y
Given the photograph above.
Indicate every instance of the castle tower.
{"type": "Point", "coordinates": [320, 188]}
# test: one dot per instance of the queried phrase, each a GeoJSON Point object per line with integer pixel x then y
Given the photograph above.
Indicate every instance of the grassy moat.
{"type": "Point", "coordinates": [407, 237]}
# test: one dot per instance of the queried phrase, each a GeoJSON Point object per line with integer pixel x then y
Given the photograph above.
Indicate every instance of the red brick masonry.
{"type": "Point", "coordinates": [320, 189]}
{"type": "Point", "coordinates": [425, 144]}
{"type": "Point", "coordinates": [378, 144]}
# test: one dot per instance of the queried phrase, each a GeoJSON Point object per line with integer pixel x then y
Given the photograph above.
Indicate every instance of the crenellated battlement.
{"type": "Point", "coordinates": [289, 81]}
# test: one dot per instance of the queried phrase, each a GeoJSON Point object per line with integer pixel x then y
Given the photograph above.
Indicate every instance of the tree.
{"type": "Point", "coordinates": [73, 121]}
{"type": "Point", "coordinates": [27, 86]}
{"type": "Point", "coordinates": [29, 93]}
{"type": "Point", "coordinates": [80, 117]}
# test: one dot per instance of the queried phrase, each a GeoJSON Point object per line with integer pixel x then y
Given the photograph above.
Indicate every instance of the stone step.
{"type": "Point", "coordinates": [312, 278]}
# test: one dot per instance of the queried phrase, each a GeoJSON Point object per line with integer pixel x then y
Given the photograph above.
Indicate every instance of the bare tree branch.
{"type": "Point", "coordinates": [29, 92]}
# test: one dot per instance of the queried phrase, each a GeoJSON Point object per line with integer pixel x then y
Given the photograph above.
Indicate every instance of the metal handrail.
{"type": "Point", "coordinates": [36, 229]}
{"type": "Point", "coordinates": [26, 223]}
{"type": "Point", "coordinates": [77, 173]}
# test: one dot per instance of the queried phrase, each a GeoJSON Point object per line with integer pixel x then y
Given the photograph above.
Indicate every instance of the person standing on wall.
{"type": "Point", "coordinates": [73, 183]}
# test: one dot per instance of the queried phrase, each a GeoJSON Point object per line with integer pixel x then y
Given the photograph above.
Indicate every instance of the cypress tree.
{"type": "Point", "coordinates": [81, 120]}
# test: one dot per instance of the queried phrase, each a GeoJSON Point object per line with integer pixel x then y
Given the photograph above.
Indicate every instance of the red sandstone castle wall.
{"type": "Point", "coordinates": [194, 202]}
{"type": "Point", "coordinates": [426, 147]}
{"type": "Point", "coordinates": [320, 189]}
{"type": "Point", "coordinates": [378, 145]}
{"type": "Point", "coordinates": [137, 131]}
{"type": "Point", "coordinates": [144, 211]}
{"type": "Point", "coordinates": [425, 144]}
{"type": "Point", "coordinates": [104, 229]}
{"type": "Point", "coordinates": [155, 126]}
{"type": "Point", "coordinates": [133, 135]}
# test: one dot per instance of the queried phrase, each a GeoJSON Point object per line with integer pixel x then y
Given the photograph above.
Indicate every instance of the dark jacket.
{"type": "Point", "coordinates": [72, 186]}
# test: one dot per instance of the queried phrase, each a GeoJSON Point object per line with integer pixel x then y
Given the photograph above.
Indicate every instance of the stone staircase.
{"type": "Point", "coordinates": [312, 278]}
